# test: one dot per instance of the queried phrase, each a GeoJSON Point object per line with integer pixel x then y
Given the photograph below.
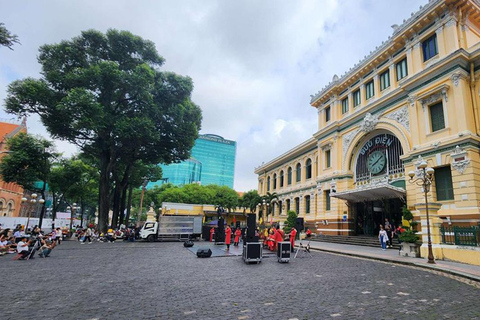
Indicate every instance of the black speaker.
{"type": "Point", "coordinates": [204, 253]}
{"type": "Point", "coordinates": [188, 243]}
{"type": "Point", "coordinates": [220, 232]}
{"type": "Point", "coordinates": [251, 225]}
{"type": "Point", "coordinates": [299, 224]}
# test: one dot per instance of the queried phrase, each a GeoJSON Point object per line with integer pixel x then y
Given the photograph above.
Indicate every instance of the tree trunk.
{"type": "Point", "coordinates": [104, 191]}
{"type": "Point", "coordinates": [123, 204]}
{"type": "Point", "coordinates": [129, 205]}
{"type": "Point", "coordinates": [42, 213]}
{"type": "Point", "coordinates": [116, 204]}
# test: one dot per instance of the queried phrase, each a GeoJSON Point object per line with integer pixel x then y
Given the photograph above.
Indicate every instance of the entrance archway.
{"type": "Point", "coordinates": [378, 191]}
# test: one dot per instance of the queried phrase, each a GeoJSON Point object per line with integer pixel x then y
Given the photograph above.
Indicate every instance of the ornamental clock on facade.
{"type": "Point", "coordinates": [376, 162]}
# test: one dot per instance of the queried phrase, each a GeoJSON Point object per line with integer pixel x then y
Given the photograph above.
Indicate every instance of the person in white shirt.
{"type": "Point", "coordinates": [22, 248]}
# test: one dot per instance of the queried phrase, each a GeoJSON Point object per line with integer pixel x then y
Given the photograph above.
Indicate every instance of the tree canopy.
{"type": "Point", "coordinates": [7, 39]}
{"type": "Point", "coordinates": [106, 94]}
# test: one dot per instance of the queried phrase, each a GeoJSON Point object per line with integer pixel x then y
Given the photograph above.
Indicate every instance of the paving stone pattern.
{"type": "Point", "coordinates": [167, 281]}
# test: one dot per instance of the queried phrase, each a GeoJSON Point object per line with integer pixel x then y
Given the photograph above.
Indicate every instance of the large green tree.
{"type": "Point", "coordinates": [250, 200]}
{"type": "Point", "coordinates": [73, 180]}
{"type": "Point", "coordinates": [106, 94]}
{"type": "Point", "coordinates": [7, 39]}
{"type": "Point", "coordinates": [28, 161]}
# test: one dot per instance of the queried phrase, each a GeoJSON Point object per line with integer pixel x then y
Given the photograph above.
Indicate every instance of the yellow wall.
{"type": "Point", "coordinates": [402, 110]}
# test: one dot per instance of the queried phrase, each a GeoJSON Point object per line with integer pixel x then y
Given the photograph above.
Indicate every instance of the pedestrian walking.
{"type": "Point", "coordinates": [88, 236]}
{"type": "Point", "coordinates": [383, 237]}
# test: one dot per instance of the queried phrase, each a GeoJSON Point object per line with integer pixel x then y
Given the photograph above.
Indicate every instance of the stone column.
{"type": "Point", "coordinates": [435, 223]}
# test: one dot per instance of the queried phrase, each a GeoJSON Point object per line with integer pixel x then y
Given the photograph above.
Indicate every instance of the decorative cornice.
{"type": "Point", "coordinates": [397, 29]}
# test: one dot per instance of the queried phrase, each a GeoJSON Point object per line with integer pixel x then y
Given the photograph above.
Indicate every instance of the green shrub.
{"type": "Point", "coordinates": [409, 236]}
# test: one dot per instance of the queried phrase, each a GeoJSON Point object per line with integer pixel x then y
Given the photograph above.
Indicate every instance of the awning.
{"type": "Point", "coordinates": [371, 193]}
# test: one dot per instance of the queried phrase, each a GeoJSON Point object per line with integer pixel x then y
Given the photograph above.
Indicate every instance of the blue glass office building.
{"type": "Point", "coordinates": [212, 162]}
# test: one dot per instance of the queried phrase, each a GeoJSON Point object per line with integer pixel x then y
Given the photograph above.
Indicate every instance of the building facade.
{"type": "Point", "coordinates": [10, 193]}
{"type": "Point", "coordinates": [414, 98]}
{"type": "Point", "coordinates": [212, 162]}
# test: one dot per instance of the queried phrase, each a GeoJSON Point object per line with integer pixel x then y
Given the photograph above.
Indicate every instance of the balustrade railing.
{"type": "Point", "coordinates": [461, 236]}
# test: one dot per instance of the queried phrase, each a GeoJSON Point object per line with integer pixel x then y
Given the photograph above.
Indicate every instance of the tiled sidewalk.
{"type": "Point", "coordinates": [460, 269]}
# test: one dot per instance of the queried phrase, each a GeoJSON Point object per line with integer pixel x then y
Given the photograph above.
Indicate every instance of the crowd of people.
{"type": "Point", "coordinates": [92, 234]}
{"type": "Point", "coordinates": [27, 245]}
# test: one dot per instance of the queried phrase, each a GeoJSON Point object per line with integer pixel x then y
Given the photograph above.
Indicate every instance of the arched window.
{"type": "Point", "coordinates": [268, 184]}
{"type": "Point", "coordinates": [280, 207]}
{"type": "Point", "coordinates": [308, 169]}
{"type": "Point", "coordinates": [307, 204]}
{"type": "Point", "coordinates": [274, 181]}
{"type": "Point", "coordinates": [289, 178]}
{"type": "Point", "coordinates": [288, 205]}
{"type": "Point", "coordinates": [298, 172]}
{"type": "Point", "coordinates": [297, 206]}
{"type": "Point", "coordinates": [281, 179]}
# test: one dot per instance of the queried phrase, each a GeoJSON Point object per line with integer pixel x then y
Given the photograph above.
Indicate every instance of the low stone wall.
{"type": "Point", "coordinates": [463, 254]}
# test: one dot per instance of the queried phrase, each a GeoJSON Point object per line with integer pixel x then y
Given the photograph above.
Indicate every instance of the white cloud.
{"type": "Point", "coordinates": [254, 63]}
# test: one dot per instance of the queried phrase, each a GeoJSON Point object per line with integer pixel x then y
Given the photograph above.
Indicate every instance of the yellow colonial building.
{"type": "Point", "coordinates": [414, 98]}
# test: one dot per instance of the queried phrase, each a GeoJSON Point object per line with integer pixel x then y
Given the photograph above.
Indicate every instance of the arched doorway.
{"type": "Point", "coordinates": [378, 191]}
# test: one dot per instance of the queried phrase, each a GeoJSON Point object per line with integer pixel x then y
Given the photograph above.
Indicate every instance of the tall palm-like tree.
{"type": "Point", "coordinates": [270, 199]}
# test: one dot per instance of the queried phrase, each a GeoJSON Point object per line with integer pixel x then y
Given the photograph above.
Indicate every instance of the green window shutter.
{"type": "Point", "coordinates": [307, 204]}
{"type": "Point", "coordinates": [344, 105]}
{"type": "Point", "coordinates": [443, 183]}
{"type": "Point", "coordinates": [356, 98]}
{"type": "Point", "coordinates": [327, 158]}
{"type": "Point", "coordinates": [436, 117]}
{"type": "Point", "coordinates": [327, 200]}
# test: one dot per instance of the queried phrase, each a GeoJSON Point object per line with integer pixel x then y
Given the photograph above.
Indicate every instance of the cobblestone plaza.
{"type": "Point", "coordinates": [167, 281]}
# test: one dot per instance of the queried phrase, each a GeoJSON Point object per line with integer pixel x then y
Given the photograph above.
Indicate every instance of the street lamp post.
{"type": "Point", "coordinates": [425, 180]}
{"type": "Point", "coordinates": [72, 209]}
{"type": "Point", "coordinates": [264, 207]}
{"type": "Point", "coordinates": [30, 204]}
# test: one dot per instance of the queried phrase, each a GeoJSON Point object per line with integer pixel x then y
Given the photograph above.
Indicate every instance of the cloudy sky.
{"type": "Point", "coordinates": [254, 63]}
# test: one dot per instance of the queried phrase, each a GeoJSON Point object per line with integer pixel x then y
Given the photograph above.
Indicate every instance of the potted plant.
{"type": "Point", "coordinates": [409, 238]}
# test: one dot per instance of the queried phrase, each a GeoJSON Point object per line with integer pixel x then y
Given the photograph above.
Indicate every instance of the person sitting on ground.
{"type": "Point", "coordinates": [4, 247]}
{"type": "Point", "coordinates": [17, 233]}
{"type": "Point", "coordinates": [308, 233]}
{"type": "Point", "coordinates": [12, 243]}
{"type": "Point", "coordinates": [22, 248]}
{"type": "Point", "coordinates": [110, 235]}
{"type": "Point", "coordinates": [45, 249]}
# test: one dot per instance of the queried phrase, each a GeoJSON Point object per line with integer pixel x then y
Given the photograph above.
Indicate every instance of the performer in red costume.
{"type": "Point", "coordinates": [212, 231]}
{"type": "Point", "coordinates": [238, 233]}
{"type": "Point", "coordinates": [278, 236]}
{"type": "Point", "coordinates": [293, 234]}
{"type": "Point", "coordinates": [228, 237]}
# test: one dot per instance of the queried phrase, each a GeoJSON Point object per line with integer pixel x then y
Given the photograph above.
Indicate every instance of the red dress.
{"type": "Point", "coordinates": [228, 235]}
{"type": "Point", "coordinates": [211, 234]}
{"type": "Point", "coordinates": [278, 237]}
{"type": "Point", "coordinates": [238, 233]}
{"type": "Point", "coordinates": [293, 233]}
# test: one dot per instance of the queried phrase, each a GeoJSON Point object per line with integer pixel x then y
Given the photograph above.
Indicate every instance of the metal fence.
{"type": "Point", "coordinates": [461, 236]}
